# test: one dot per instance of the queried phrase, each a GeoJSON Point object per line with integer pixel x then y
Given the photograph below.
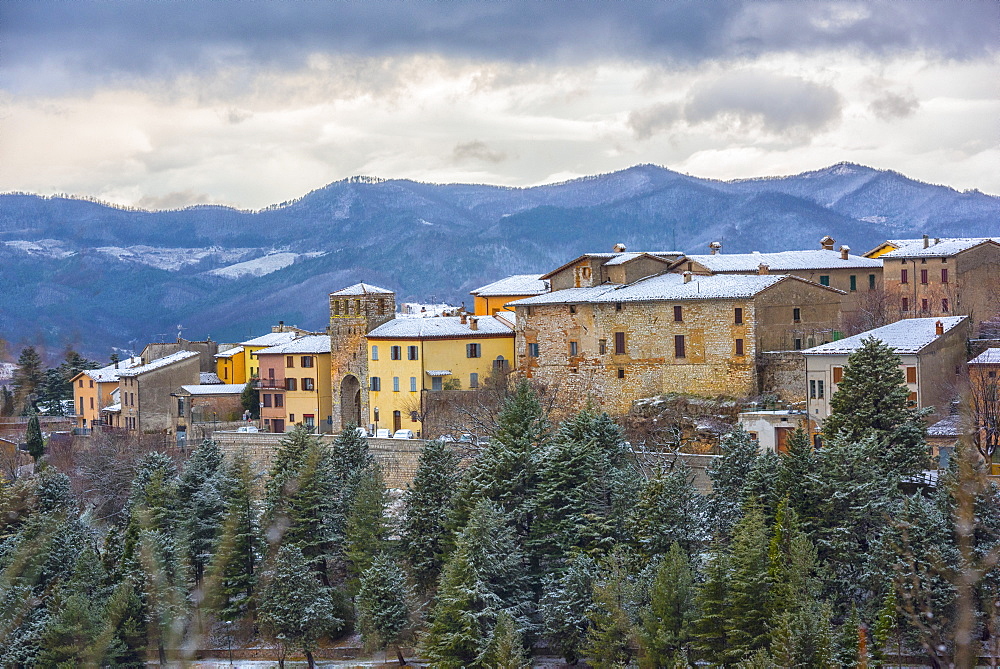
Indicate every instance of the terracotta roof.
{"type": "Point", "coordinates": [616, 258]}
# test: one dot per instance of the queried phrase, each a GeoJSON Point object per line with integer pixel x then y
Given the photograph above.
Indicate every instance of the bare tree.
{"type": "Point", "coordinates": [103, 472]}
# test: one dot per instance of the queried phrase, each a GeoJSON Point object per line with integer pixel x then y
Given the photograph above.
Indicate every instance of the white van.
{"type": "Point", "coordinates": [383, 434]}
{"type": "Point", "coordinates": [403, 434]}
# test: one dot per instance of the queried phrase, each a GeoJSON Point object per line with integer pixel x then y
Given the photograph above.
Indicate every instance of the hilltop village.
{"type": "Point", "coordinates": [607, 329]}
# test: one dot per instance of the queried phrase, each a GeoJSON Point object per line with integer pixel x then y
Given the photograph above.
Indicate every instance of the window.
{"type": "Point", "coordinates": [923, 304]}
{"type": "Point", "coordinates": [291, 384]}
{"type": "Point", "coordinates": [436, 383]}
{"type": "Point", "coordinates": [738, 315]}
{"type": "Point", "coordinates": [473, 380]}
{"type": "Point", "coordinates": [838, 374]}
{"type": "Point", "coordinates": [266, 399]}
{"type": "Point", "coordinates": [819, 389]}
{"type": "Point", "coordinates": [500, 365]}
{"type": "Point", "coordinates": [816, 390]}
{"type": "Point", "coordinates": [912, 398]}
{"type": "Point", "coordinates": [572, 308]}
{"type": "Point", "coordinates": [618, 306]}
{"type": "Point", "coordinates": [798, 344]}
{"type": "Point", "coordinates": [395, 352]}
{"type": "Point", "coordinates": [81, 403]}
{"type": "Point", "coordinates": [395, 384]}
{"type": "Point", "coordinates": [472, 350]}
{"type": "Point", "coordinates": [291, 418]}
{"type": "Point", "coordinates": [412, 353]}
{"type": "Point", "coordinates": [911, 374]}
{"type": "Point", "coordinates": [944, 275]}
{"type": "Point", "coordinates": [906, 304]}
{"type": "Point", "coordinates": [678, 313]}
{"type": "Point", "coordinates": [871, 282]}
{"type": "Point", "coordinates": [824, 279]}
{"type": "Point", "coordinates": [81, 383]}
{"type": "Point", "coordinates": [91, 403]}
{"type": "Point", "coordinates": [923, 276]}
{"type": "Point", "coordinates": [279, 400]}
{"type": "Point", "coordinates": [91, 383]}
{"type": "Point", "coordinates": [739, 347]}
{"type": "Point", "coordinates": [310, 420]}
{"type": "Point", "coordinates": [619, 343]}
{"type": "Point", "coordinates": [307, 361]}
{"type": "Point", "coordinates": [904, 276]}
{"type": "Point", "coordinates": [532, 350]}
{"type": "Point", "coordinates": [308, 384]}
{"type": "Point", "coordinates": [854, 282]}
{"type": "Point", "coordinates": [574, 348]}
{"type": "Point", "coordinates": [796, 315]}
{"type": "Point", "coordinates": [289, 361]}
{"type": "Point", "coordinates": [944, 304]}
{"type": "Point", "coordinates": [678, 346]}
{"type": "Point", "coordinates": [621, 372]}
{"type": "Point", "coordinates": [602, 346]}
{"type": "Point", "coordinates": [375, 384]}
{"type": "Point", "coordinates": [374, 352]}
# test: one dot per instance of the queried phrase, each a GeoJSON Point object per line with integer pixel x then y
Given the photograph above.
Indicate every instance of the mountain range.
{"type": "Point", "coordinates": [83, 273]}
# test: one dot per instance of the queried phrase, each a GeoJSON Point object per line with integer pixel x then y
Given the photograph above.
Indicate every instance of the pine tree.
{"type": "Point", "coordinates": [670, 511]}
{"type": "Point", "coordinates": [505, 647]}
{"type": "Point", "coordinates": [710, 629]}
{"type": "Point", "coordinates": [366, 530]}
{"type": "Point", "coordinates": [250, 399]}
{"type": "Point", "coordinates": [6, 402]}
{"type": "Point", "coordinates": [886, 627]}
{"type": "Point", "coordinates": [235, 563]}
{"type": "Point", "coordinates": [666, 623]}
{"type": "Point", "coordinates": [381, 602]}
{"type": "Point", "coordinates": [847, 648]}
{"type": "Point", "coordinates": [33, 437]}
{"type": "Point", "coordinates": [425, 507]}
{"type": "Point", "coordinates": [729, 474]}
{"type": "Point", "coordinates": [872, 400]}
{"type": "Point", "coordinates": [28, 377]}
{"type": "Point", "coordinates": [796, 469]}
{"type": "Point", "coordinates": [295, 608]}
{"type": "Point", "coordinates": [563, 607]}
{"type": "Point", "coordinates": [496, 553]}
{"type": "Point", "coordinates": [202, 506]}
{"type": "Point", "coordinates": [611, 638]}
{"type": "Point", "coordinates": [749, 587]}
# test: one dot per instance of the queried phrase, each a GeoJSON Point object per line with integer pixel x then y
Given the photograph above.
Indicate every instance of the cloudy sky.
{"type": "Point", "coordinates": [168, 103]}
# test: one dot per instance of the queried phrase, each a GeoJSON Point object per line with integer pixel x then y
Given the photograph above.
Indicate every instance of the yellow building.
{"type": "Point", "coordinates": [408, 357]}
{"type": "Point", "coordinates": [294, 384]}
{"type": "Point", "coordinates": [231, 365]}
{"type": "Point", "coordinates": [236, 364]}
{"type": "Point", "coordinates": [92, 390]}
{"type": "Point", "coordinates": [493, 297]}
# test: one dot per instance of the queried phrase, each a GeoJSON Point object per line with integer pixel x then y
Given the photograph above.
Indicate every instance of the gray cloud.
{"type": "Point", "coordinates": [478, 151]}
{"type": "Point", "coordinates": [892, 106]}
{"type": "Point", "coordinates": [175, 200]}
{"type": "Point", "coordinates": [48, 44]}
{"type": "Point", "coordinates": [779, 104]}
{"type": "Point", "coordinates": [654, 119]}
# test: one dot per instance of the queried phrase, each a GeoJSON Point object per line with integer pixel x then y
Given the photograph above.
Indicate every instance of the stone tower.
{"type": "Point", "coordinates": [354, 312]}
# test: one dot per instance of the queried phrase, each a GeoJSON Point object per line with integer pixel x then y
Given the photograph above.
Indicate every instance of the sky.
{"type": "Point", "coordinates": [168, 103]}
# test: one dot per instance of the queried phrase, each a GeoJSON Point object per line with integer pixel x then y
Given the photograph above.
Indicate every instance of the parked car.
{"type": "Point", "coordinates": [403, 434]}
{"type": "Point", "coordinates": [383, 434]}
{"type": "Point", "coordinates": [362, 432]}
{"type": "Point", "coordinates": [247, 428]}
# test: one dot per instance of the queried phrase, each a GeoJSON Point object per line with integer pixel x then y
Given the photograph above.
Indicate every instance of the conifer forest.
{"type": "Point", "coordinates": [554, 539]}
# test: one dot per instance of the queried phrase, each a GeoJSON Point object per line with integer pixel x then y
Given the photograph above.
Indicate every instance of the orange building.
{"type": "Point", "coordinates": [92, 391]}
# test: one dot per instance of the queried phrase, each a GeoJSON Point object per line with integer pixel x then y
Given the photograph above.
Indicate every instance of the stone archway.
{"type": "Point", "coordinates": [350, 401]}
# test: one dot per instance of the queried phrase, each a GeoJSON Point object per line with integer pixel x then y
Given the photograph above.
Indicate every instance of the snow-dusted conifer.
{"type": "Point", "coordinates": [382, 603]}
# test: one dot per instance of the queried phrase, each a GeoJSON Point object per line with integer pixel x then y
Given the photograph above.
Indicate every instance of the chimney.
{"type": "Point", "coordinates": [845, 251]}
{"type": "Point", "coordinates": [716, 247]}
{"type": "Point", "coordinates": [473, 323]}
{"type": "Point", "coordinates": [464, 319]}
{"type": "Point", "coordinates": [939, 328]}
{"type": "Point", "coordinates": [827, 243]}
{"type": "Point", "coordinates": [927, 241]}
{"type": "Point", "coordinates": [619, 248]}
{"type": "Point", "coordinates": [763, 269]}
{"type": "Point", "coordinates": [687, 277]}
{"type": "Point", "coordinates": [937, 240]}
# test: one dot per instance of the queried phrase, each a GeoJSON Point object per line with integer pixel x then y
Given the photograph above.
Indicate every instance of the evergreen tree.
{"type": "Point", "coordinates": [611, 638]}
{"type": "Point", "coordinates": [250, 399]}
{"type": "Point", "coordinates": [28, 377]}
{"type": "Point", "coordinates": [886, 627]}
{"type": "Point", "coordinates": [497, 556]}
{"type": "Point", "coordinates": [505, 648]}
{"type": "Point", "coordinates": [295, 608]}
{"type": "Point", "coordinates": [33, 437]}
{"type": "Point", "coordinates": [425, 507]}
{"type": "Point", "coordinates": [794, 477]}
{"type": "Point", "coordinates": [236, 560]}
{"type": "Point", "coordinates": [202, 506]}
{"type": "Point", "coordinates": [381, 602]}
{"type": "Point", "coordinates": [52, 391]}
{"type": "Point", "coordinates": [872, 400]}
{"type": "Point", "coordinates": [761, 487]}
{"type": "Point", "coordinates": [73, 634]}
{"type": "Point", "coordinates": [710, 629]}
{"type": "Point", "coordinates": [729, 474]}
{"type": "Point", "coordinates": [563, 607]}
{"type": "Point", "coordinates": [670, 511]}
{"type": "Point", "coordinates": [749, 588]}
{"type": "Point", "coordinates": [6, 402]}
{"type": "Point", "coordinates": [848, 647]}
{"type": "Point", "coordinates": [666, 624]}
{"type": "Point", "coordinates": [366, 530]}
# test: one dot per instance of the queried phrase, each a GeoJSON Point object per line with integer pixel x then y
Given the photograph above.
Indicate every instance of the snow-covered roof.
{"type": "Point", "coordinates": [210, 378]}
{"type": "Point", "coordinates": [911, 335]}
{"type": "Point", "coordinates": [990, 356]}
{"type": "Point", "coordinates": [159, 363]}
{"type": "Point", "coordinates": [622, 258]}
{"type": "Point", "coordinates": [229, 352]}
{"type": "Point", "coordinates": [782, 261]}
{"type": "Point", "coordinates": [113, 408]}
{"type": "Point", "coordinates": [438, 372]}
{"type": "Point", "coordinates": [518, 284]}
{"type": "Point", "coordinates": [442, 326]}
{"type": "Point", "coordinates": [950, 426]}
{"type": "Point", "coordinates": [362, 289]}
{"type": "Point", "coordinates": [668, 287]}
{"type": "Point", "coordinates": [307, 344]}
{"type": "Point", "coordinates": [215, 389]}
{"type": "Point", "coordinates": [944, 246]}
{"type": "Point", "coordinates": [110, 373]}
{"type": "Point", "coordinates": [616, 258]}
{"type": "Point", "coordinates": [271, 339]}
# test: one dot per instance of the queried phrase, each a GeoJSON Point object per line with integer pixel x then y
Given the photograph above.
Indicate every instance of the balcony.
{"type": "Point", "coordinates": [269, 384]}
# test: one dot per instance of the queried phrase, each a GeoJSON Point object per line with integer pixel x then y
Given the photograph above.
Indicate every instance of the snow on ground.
{"type": "Point", "coordinates": [272, 262]}
{"type": "Point", "coordinates": [47, 248]}
{"type": "Point", "coordinates": [171, 259]}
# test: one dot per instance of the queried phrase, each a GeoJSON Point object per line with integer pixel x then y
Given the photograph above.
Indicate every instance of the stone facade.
{"type": "Point", "coordinates": [206, 351]}
{"type": "Point", "coordinates": [147, 405]}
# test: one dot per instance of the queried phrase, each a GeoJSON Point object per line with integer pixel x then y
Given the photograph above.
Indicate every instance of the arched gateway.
{"type": "Point", "coordinates": [350, 401]}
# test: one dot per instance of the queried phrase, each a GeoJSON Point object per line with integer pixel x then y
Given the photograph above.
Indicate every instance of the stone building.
{"type": "Point", "coordinates": [201, 408]}
{"type": "Point", "coordinates": [608, 344]}
{"type": "Point", "coordinates": [147, 405]}
{"type": "Point", "coordinates": [206, 351]}
{"type": "Point", "coordinates": [931, 277]}
{"type": "Point", "coordinates": [859, 278]}
{"type": "Point", "coordinates": [354, 312]}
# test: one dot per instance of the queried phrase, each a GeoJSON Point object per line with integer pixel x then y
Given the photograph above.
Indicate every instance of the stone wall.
{"type": "Point", "coordinates": [782, 373]}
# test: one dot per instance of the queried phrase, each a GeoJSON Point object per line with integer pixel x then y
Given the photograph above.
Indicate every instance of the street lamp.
{"type": "Point", "coordinates": [376, 420]}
